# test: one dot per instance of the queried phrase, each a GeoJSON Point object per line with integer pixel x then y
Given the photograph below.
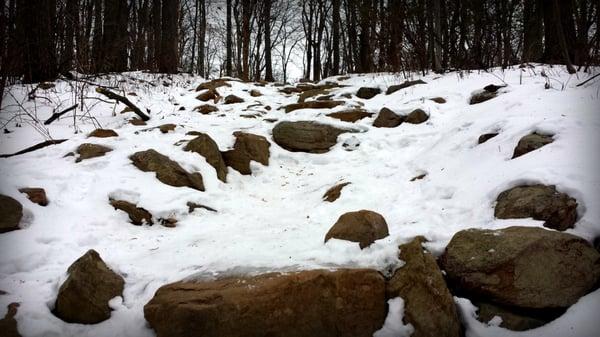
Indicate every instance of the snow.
{"type": "Point", "coordinates": [275, 219]}
{"type": "Point", "coordinates": [393, 326]}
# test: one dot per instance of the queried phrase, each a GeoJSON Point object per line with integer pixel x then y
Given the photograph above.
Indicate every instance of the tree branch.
{"type": "Point", "coordinates": [123, 100]}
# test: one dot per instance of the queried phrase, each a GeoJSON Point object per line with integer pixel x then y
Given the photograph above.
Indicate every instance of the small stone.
{"type": "Point", "coordinates": [233, 99]}
{"type": "Point", "coordinates": [417, 116]}
{"type": "Point", "coordinates": [530, 143]}
{"type": "Point", "coordinates": [103, 133]}
{"type": "Point", "coordinates": [87, 151]}
{"type": "Point", "coordinates": [362, 226]}
{"type": "Point", "coordinates": [393, 88]}
{"type": "Point", "coordinates": [137, 215]}
{"type": "Point", "coordinates": [166, 128]}
{"type": "Point", "coordinates": [36, 195]}
{"type": "Point", "coordinates": [206, 109]}
{"type": "Point", "coordinates": [367, 93]}
{"type": "Point", "coordinates": [334, 192]}
{"type": "Point", "coordinates": [387, 119]}
{"type": "Point", "coordinates": [485, 137]}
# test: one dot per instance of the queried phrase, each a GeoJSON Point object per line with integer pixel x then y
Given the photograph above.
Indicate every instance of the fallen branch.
{"type": "Point", "coordinates": [34, 147]}
{"type": "Point", "coordinates": [123, 100]}
{"type": "Point", "coordinates": [589, 79]}
{"type": "Point", "coordinates": [58, 114]}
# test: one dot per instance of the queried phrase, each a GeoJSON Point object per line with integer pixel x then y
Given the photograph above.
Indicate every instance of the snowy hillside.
{"type": "Point", "coordinates": [275, 219]}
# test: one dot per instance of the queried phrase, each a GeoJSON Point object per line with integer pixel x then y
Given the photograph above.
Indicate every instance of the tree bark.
{"type": "Point", "coordinates": [268, 61]}
{"type": "Point", "coordinates": [229, 41]}
{"type": "Point", "coordinates": [335, 69]}
{"type": "Point", "coordinates": [169, 36]}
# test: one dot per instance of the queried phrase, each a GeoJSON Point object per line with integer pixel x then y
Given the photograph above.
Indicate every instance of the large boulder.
{"type": "Point", "coordinates": [481, 96]}
{"type": "Point", "coordinates": [312, 105]}
{"type": "Point", "coordinates": [530, 143]}
{"type": "Point", "coordinates": [87, 151]}
{"type": "Point", "coordinates": [428, 304]}
{"type": "Point", "coordinates": [485, 137]}
{"type": "Point", "coordinates": [393, 88]}
{"type": "Point", "coordinates": [167, 170]}
{"type": "Point", "coordinates": [103, 133]}
{"type": "Point", "coordinates": [206, 109]}
{"type": "Point", "coordinates": [351, 115]}
{"type": "Point", "coordinates": [83, 297]}
{"type": "Point", "coordinates": [11, 212]}
{"type": "Point", "coordinates": [334, 192]}
{"type": "Point", "coordinates": [540, 202]}
{"type": "Point", "coordinates": [208, 95]}
{"type": "Point", "coordinates": [36, 195]}
{"type": "Point", "coordinates": [233, 99]}
{"type": "Point", "coordinates": [137, 215]}
{"type": "Point", "coordinates": [516, 320]}
{"type": "Point", "coordinates": [8, 324]}
{"type": "Point", "coordinates": [213, 84]}
{"type": "Point", "coordinates": [207, 148]}
{"type": "Point", "coordinates": [247, 148]}
{"type": "Point", "coordinates": [362, 226]}
{"type": "Point", "coordinates": [416, 116]}
{"type": "Point", "coordinates": [387, 119]}
{"type": "Point", "coordinates": [324, 303]}
{"type": "Point", "coordinates": [525, 267]}
{"type": "Point", "coordinates": [305, 136]}
{"type": "Point", "coordinates": [367, 93]}
{"type": "Point", "coordinates": [311, 93]}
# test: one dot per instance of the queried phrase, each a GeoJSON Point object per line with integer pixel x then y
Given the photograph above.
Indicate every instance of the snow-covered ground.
{"type": "Point", "coordinates": [275, 219]}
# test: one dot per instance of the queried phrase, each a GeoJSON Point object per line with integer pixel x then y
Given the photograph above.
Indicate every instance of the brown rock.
{"type": "Point", "coordinates": [165, 128]}
{"type": "Point", "coordinates": [367, 93]}
{"type": "Point", "coordinates": [137, 215]}
{"type": "Point", "coordinates": [531, 142]}
{"type": "Point", "coordinates": [11, 213]}
{"type": "Point", "coordinates": [481, 96]}
{"type": "Point", "coordinates": [192, 206]}
{"type": "Point", "coordinates": [363, 227]}
{"type": "Point", "coordinates": [213, 85]}
{"type": "Point", "coordinates": [524, 267]}
{"type": "Point", "coordinates": [341, 303]}
{"type": "Point", "coordinates": [428, 304]}
{"type": "Point", "coordinates": [207, 148]}
{"type": "Point", "coordinates": [137, 122]}
{"type": "Point", "coordinates": [305, 136]}
{"type": "Point", "coordinates": [311, 93]}
{"type": "Point", "coordinates": [290, 90]}
{"type": "Point", "coordinates": [439, 100]}
{"type": "Point", "coordinates": [417, 116]}
{"type": "Point", "coordinates": [233, 99]}
{"type": "Point", "coordinates": [36, 195]}
{"type": "Point", "coordinates": [167, 171]}
{"type": "Point", "coordinates": [255, 93]}
{"type": "Point", "coordinates": [206, 109]}
{"type": "Point", "coordinates": [312, 105]}
{"type": "Point", "coordinates": [351, 115]}
{"type": "Point", "coordinates": [419, 177]}
{"type": "Point", "coordinates": [83, 297]}
{"type": "Point", "coordinates": [103, 133]}
{"type": "Point", "coordinates": [516, 320]}
{"type": "Point", "coordinates": [334, 193]}
{"type": "Point", "coordinates": [208, 95]}
{"type": "Point", "coordinates": [247, 147]}
{"type": "Point", "coordinates": [393, 88]}
{"type": "Point", "coordinates": [87, 151]}
{"type": "Point", "coordinates": [540, 202]}
{"type": "Point", "coordinates": [8, 325]}
{"type": "Point", "coordinates": [485, 137]}
{"type": "Point", "coordinates": [387, 119]}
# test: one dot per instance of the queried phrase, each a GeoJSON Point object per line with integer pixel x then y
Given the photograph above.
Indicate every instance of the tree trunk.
{"type": "Point", "coordinates": [335, 69]}
{"type": "Point", "coordinates": [229, 42]}
{"type": "Point", "coordinates": [246, 40]}
{"type": "Point", "coordinates": [35, 28]}
{"type": "Point", "coordinates": [561, 37]}
{"type": "Point", "coordinates": [169, 36]}
{"type": "Point", "coordinates": [532, 31]}
{"type": "Point", "coordinates": [437, 36]}
{"type": "Point", "coordinates": [268, 61]}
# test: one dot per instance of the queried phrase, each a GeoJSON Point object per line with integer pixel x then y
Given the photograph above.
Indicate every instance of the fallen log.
{"type": "Point", "coordinates": [34, 147]}
{"type": "Point", "coordinates": [123, 100]}
{"type": "Point", "coordinates": [58, 114]}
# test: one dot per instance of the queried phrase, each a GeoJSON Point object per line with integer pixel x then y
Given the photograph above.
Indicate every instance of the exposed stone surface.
{"type": "Point", "coordinates": [166, 128]}
{"type": "Point", "coordinates": [511, 319]}
{"type": "Point", "coordinates": [485, 137]}
{"type": "Point", "coordinates": [540, 202]}
{"type": "Point", "coordinates": [233, 99]}
{"type": "Point", "coordinates": [334, 192]}
{"type": "Point", "coordinates": [367, 93]}
{"type": "Point", "coordinates": [525, 267]}
{"type": "Point", "coordinates": [213, 84]}
{"type": "Point", "coordinates": [255, 93]}
{"type": "Point", "coordinates": [387, 119]}
{"type": "Point", "coordinates": [87, 151]}
{"type": "Point", "coordinates": [362, 226]}
{"type": "Point", "coordinates": [247, 147]}
{"type": "Point", "coordinates": [393, 88]}
{"type": "Point", "coordinates": [8, 325]}
{"type": "Point", "coordinates": [83, 297]}
{"type": "Point", "coordinates": [103, 133]}
{"type": "Point", "coordinates": [207, 148]}
{"type": "Point", "coordinates": [428, 304]}
{"type": "Point", "coordinates": [11, 212]}
{"type": "Point", "coordinates": [206, 109]}
{"type": "Point", "coordinates": [167, 171]}
{"type": "Point", "coordinates": [306, 136]}
{"type": "Point", "coordinates": [416, 116]}
{"type": "Point", "coordinates": [531, 142]}
{"type": "Point", "coordinates": [137, 215]}
{"type": "Point", "coordinates": [419, 177]}
{"type": "Point", "coordinates": [481, 96]}
{"type": "Point", "coordinates": [311, 93]}
{"type": "Point", "coordinates": [207, 95]}
{"type": "Point", "coordinates": [192, 206]}
{"type": "Point", "coordinates": [312, 105]}
{"type": "Point", "coordinates": [351, 115]}
{"type": "Point", "coordinates": [341, 303]}
{"type": "Point", "coordinates": [36, 195]}
{"type": "Point", "coordinates": [438, 100]}
{"type": "Point", "coordinates": [137, 122]}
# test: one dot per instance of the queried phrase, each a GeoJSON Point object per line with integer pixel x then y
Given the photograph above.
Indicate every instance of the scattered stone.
{"type": "Point", "coordinates": [208, 95]}
{"type": "Point", "coordinates": [213, 85]}
{"type": "Point", "coordinates": [438, 100]}
{"type": "Point", "coordinates": [324, 98]}
{"type": "Point", "coordinates": [429, 306]}
{"type": "Point", "coordinates": [362, 226]}
{"type": "Point", "coordinates": [165, 128]}
{"type": "Point", "coordinates": [290, 90]}
{"type": "Point", "coordinates": [87, 151]}
{"type": "Point", "coordinates": [255, 93]}
{"type": "Point", "coordinates": [103, 133]}
{"type": "Point", "coordinates": [207, 148]}
{"type": "Point", "coordinates": [168, 222]}
{"type": "Point", "coordinates": [388, 119]}
{"type": "Point", "coordinates": [270, 120]}
{"type": "Point", "coordinates": [126, 110]}
{"type": "Point", "coordinates": [511, 319]}
{"type": "Point", "coordinates": [83, 297]}
{"type": "Point", "coordinates": [481, 96]}
{"type": "Point", "coordinates": [540, 202]}
{"type": "Point", "coordinates": [320, 303]}
{"type": "Point", "coordinates": [233, 99]}
{"type": "Point", "coordinates": [393, 88]}
{"type": "Point", "coordinates": [343, 78]}
{"type": "Point", "coordinates": [8, 325]}
{"type": "Point", "coordinates": [351, 144]}
{"type": "Point", "coordinates": [334, 192]}
{"type": "Point", "coordinates": [305, 136]}
{"type": "Point", "coordinates": [417, 116]}
{"type": "Point", "coordinates": [137, 215]}
{"type": "Point", "coordinates": [419, 177]}
{"type": "Point", "coordinates": [36, 195]}
{"type": "Point", "coordinates": [247, 147]}
{"type": "Point", "coordinates": [167, 171]}
{"type": "Point", "coordinates": [531, 142]}
{"type": "Point", "coordinates": [493, 87]}
{"type": "Point", "coordinates": [311, 93]}
{"type": "Point", "coordinates": [485, 137]}
{"type": "Point", "coordinates": [351, 115]}
{"type": "Point", "coordinates": [137, 122]}
{"type": "Point", "coordinates": [312, 105]}
{"type": "Point", "coordinates": [192, 206]}
{"type": "Point", "coordinates": [206, 109]}
{"type": "Point", "coordinates": [526, 267]}
{"type": "Point", "coordinates": [367, 93]}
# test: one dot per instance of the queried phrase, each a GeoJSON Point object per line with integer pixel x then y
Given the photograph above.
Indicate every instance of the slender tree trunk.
{"type": "Point", "coordinates": [35, 27]}
{"type": "Point", "coordinates": [246, 40]}
{"type": "Point", "coordinates": [194, 35]}
{"type": "Point", "coordinates": [229, 42]}
{"type": "Point", "coordinates": [335, 69]}
{"type": "Point", "coordinates": [202, 40]}
{"type": "Point", "coordinates": [169, 36]}
{"type": "Point", "coordinates": [532, 31]}
{"type": "Point", "coordinates": [561, 37]}
{"type": "Point", "coordinates": [437, 36]}
{"type": "Point", "coordinates": [268, 61]}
